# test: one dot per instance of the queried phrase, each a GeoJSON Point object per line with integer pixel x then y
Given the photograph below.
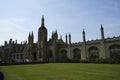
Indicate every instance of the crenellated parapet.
{"type": "Point", "coordinates": [76, 44]}
{"type": "Point", "coordinates": [97, 41]}
{"type": "Point", "coordinates": [115, 38]}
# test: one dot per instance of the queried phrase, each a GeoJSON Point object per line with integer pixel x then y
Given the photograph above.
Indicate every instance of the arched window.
{"type": "Point", "coordinates": [76, 54]}
{"type": "Point", "coordinates": [115, 52]}
{"type": "Point", "coordinates": [93, 53]}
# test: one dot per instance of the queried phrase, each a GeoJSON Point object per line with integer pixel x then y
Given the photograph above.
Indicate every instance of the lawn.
{"type": "Point", "coordinates": [62, 71]}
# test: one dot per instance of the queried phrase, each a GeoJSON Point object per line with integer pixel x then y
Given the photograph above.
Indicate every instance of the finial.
{"type": "Point", "coordinates": [32, 35]}
{"type": "Point", "coordinates": [32, 32]}
{"type": "Point", "coordinates": [29, 34]}
{"type": "Point", "coordinates": [42, 16]}
{"type": "Point", "coordinates": [69, 34]}
{"type": "Point", "coordinates": [102, 26]}
{"type": "Point", "coordinates": [56, 31]}
{"type": "Point", "coordinates": [42, 20]}
{"type": "Point", "coordinates": [66, 34]}
{"type": "Point", "coordinates": [83, 30]}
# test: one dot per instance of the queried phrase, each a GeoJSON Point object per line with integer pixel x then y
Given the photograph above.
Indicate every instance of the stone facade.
{"type": "Point", "coordinates": [55, 49]}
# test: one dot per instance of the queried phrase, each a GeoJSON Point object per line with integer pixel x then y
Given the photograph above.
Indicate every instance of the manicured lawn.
{"type": "Point", "coordinates": [62, 71]}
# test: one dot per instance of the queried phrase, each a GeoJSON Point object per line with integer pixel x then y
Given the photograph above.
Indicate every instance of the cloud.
{"type": "Point", "coordinates": [67, 16]}
{"type": "Point", "coordinates": [18, 20]}
{"type": "Point", "coordinates": [12, 29]}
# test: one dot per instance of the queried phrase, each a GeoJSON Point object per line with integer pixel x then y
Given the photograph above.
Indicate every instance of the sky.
{"type": "Point", "coordinates": [19, 17]}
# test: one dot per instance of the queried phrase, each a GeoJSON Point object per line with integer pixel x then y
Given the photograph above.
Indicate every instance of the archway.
{"type": "Point", "coordinates": [34, 56]}
{"type": "Point", "coordinates": [50, 56]}
{"type": "Point", "coordinates": [76, 54]}
{"type": "Point", "coordinates": [114, 52]}
{"type": "Point", "coordinates": [93, 53]}
{"type": "Point", "coordinates": [63, 55]}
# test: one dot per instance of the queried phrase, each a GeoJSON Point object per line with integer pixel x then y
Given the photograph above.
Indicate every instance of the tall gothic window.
{"type": "Point", "coordinates": [115, 52]}
{"type": "Point", "coordinates": [76, 54]}
{"type": "Point", "coordinates": [93, 53]}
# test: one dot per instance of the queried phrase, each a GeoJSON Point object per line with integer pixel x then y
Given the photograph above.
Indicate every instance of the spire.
{"type": "Point", "coordinates": [69, 38]}
{"type": "Point", "coordinates": [32, 34]}
{"type": "Point", "coordinates": [56, 31]}
{"type": "Point", "coordinates": [84, 39]}
{"type": "Point", "coordinates": [42, 25]}
{"type": "Point", "coordinates": [69, 34]}
{"type": "Point", "coordinates": [83, 31]}
{"type": "Point", "coordinates": [29, 34]}
{"type": "Point", "coordinates": [32, 37]}
{"type": "Point", "coordinates": [29, 38]}
{"type": "Point", "coordinates": [102, 32]}
{"type": "Point", "coordinates": [66, 39]}
{"type": "Point", "coordinates": [101, 26]}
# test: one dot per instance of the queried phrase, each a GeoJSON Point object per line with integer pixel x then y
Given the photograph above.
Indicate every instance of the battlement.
{"type": "Point", "coordinates": [13, 42]}
{"type": "Point", "coordinates": [113, 38]}
{"type": "Point", "coordinates": [76, 44]}
{"type": "Point", "coordinates": [93, 41]}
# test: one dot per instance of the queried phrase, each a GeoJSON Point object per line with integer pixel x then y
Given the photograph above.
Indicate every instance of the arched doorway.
{"type": "Point", "coordinates": [63, 55]}
{"type": "Point", "coordinates": [93, 53]}
{"type": "Point", "coordinates": [34, 56]}
{"type": "Point", "coordinates": [114, 52]}
{"type": "Point", "coordinates": [50, 56]}
{"type": "Point", "coordinates": [76, 54]}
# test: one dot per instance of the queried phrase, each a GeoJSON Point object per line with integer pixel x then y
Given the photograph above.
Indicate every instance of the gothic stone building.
{"type": "Point", "coordinates": [55, 49]}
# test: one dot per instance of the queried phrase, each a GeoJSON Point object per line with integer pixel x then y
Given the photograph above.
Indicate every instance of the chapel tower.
{"type": "Point", "coordinates": [42, 42]}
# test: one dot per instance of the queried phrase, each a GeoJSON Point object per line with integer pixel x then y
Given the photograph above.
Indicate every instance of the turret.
{"type": "Point", "coordinates": [5, 43]}
{"type": "Point", "coordinates": [15, 41]}
{"type": "Point", "coordinates": [42, 32]}
{"type": "Point", "coordinates": [42, 41]}
{"type": "Point", "coordinates": [103, 51]}
{"type": "Point", "coordinates": [55, 35]}
{"type": "Point", "coordinates": [31, 38]}
{"type": "Point", "coordinates": [10, 41]}
{"type": "Point", "coordinates": [84, 53]}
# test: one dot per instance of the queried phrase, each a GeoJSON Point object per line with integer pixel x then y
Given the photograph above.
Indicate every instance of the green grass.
{"type": "Point", "coordinates": [62, 71]}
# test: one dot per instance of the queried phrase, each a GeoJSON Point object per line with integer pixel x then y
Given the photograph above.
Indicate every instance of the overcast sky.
{"type": "Point", "coordinates": [19, 17]}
